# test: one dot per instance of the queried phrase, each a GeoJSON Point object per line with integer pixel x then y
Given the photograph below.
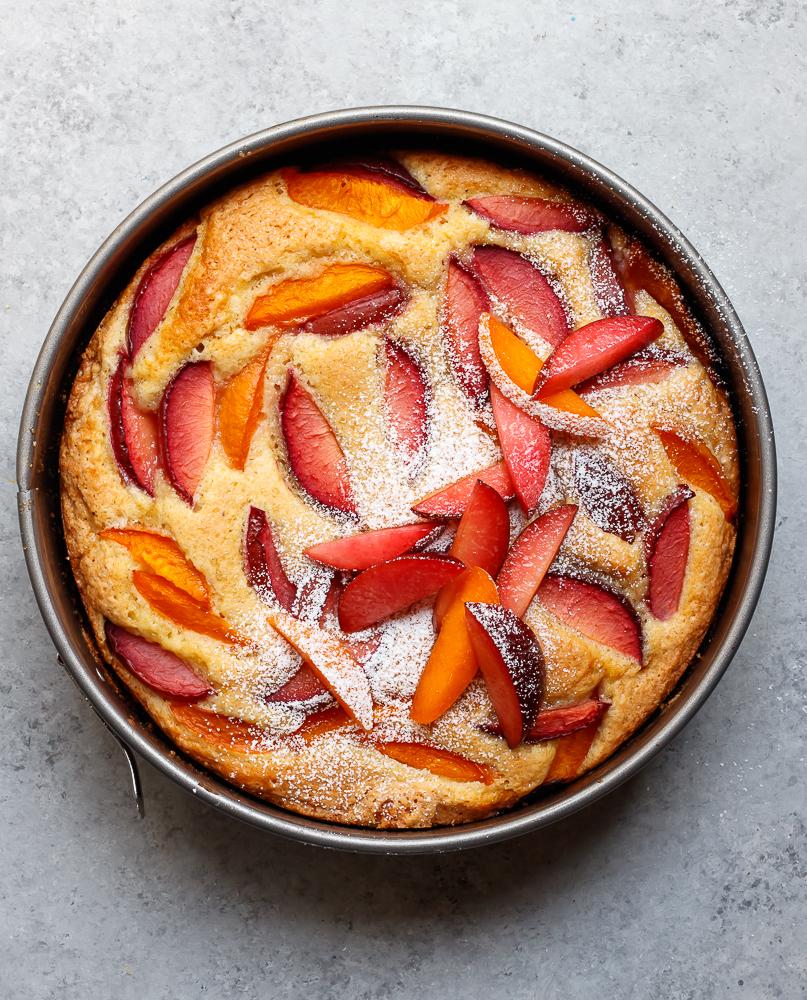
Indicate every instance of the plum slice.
{"type": "Point", "coordinates": [527, 215]}
{"type": "Point", "coordinates": [187, 422]}
{"type": "Point", "coordinates": [262, 565]}
{"type": "Point", "coordinates": [356, 315]}
{"type": "Point", "coordinates": [607, 496]}
{"type": "Point", "coordinates": [522, 289]}
{"type": "Point", "coordinates": [526, 446]}
{"type": "Point", "coordinates": [154, 293]}
{"type": "Point", "coordinates": [530, 557]}
{"type": "Point", "coordinates": [406, 402]}
{"type": "Point", "coordinates": [595, 347]}
{"type": "Point", "coordinates": [133, 433]}
{"type": "Point", "coordinates": [360, 551]}
{"type": "Point", "coordinates": [389, 587]}
{"type": "Point", "coordinates": [314, 454]}
{"type": "Point", "coordinates": [596, 612]}
{"type": "Point", "coordinates": [667, 548]}
{"type": "Point", "coordinates": [465, 301]}
{"type": "Point", "coordinates": [163, 671]}
{"type": "Point", "coordinates": [452, 500]}
{"type": "Point", "coordinates": [644, 368]}
{"type": "Point", "coordinates": [512, 664]}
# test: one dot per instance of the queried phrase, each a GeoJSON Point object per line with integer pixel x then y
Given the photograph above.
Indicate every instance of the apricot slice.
{"type": "Point", "coordinates": [227, 732]}
{"type": "Point", "coordinates": [523, 366]}
{"type": "Point", "coordinates": [325, 721]}
{"type": "Point", "coordinates": [443, 763]}
{"type": "Point", "coordinates": [240, 403]}
{"type": "Point", "coordinates": [162, 556]}
{"type": "Point", "coordinates": [295, 300]}
{"type": "Point", "coordinates": [696, 463]}
{"type": "Point", "coordinates": [570, 753]}
{"type": "Point", "coordinates": [175, 604]}
{"type": "Point", "coordinates": [452, 665]}
{"type": "Point", "coordinates": [369, 199]}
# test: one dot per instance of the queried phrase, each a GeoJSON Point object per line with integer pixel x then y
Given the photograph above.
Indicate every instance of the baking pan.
{"type": "Point", "coordinates": [107, 274]}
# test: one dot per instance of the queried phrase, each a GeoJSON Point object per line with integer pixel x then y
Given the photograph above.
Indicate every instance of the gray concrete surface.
{"type": "Point", "coordinates": [687, 883]}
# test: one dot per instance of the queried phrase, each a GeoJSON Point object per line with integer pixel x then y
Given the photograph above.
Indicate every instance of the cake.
{"type": "Point", "coordinates": [397, 488]}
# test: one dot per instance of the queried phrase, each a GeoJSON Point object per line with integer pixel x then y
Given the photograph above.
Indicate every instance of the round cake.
{"type": "Point", "coordinates": [396, 487]}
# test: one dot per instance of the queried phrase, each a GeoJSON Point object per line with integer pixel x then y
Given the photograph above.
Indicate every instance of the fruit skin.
{"type": "Point", "coordinates": [694, 462]}
{"type": "Point", "coordinates": [356, 315]}
{"type": "Point", "coordinates": [452, 500]}
{"type": "Point", "coordinates": [229, 733]}
{"type": "Point", "coordinates": [608, 290]}
{"type": "Point", "coordinates": [443, 763]}
{"type": "Point", "coordinates": [383, 590]}
{"type": "Point", "coordinates": [187, 420]}
{"type": "Point", "coordinates": [177, 606]}
{"type": "Point", "coordinates": [262, 566]}
{"type": "Point", "coordinates": [530, 557]}
{"type": "Point", "coordinates": [512, 664]}
{"type": "Point", "coordinates": [155, 292]}
{"type": "Point", "coordinates": [406, 402]}
{"type": "Point", "coordinates": [163, 671]}
{"type": "Point", "coordinates": [297, 300]}
{"type": "Point", "coordinates": [607, 496]}
{"type": "Point", "coordinates": [525, 293]}
{"type": "Point", "coordinates": [643, 368]}
{"type": "Point", "coordinates": [482, 537]}
{"type": "Point", "coordinates": [595, 347]}
{"type": "Point", "coordinates": [134, 434]}
{"type": "Point", "coordinates": [667, 549]}
{"type": "Point", "coordinates": [374, 198]}
{"type": "Point", "coordinates": [596, 612]}
{"type": "Point", "coordinates": [531, 215]}
{"type": "Point", "coordinates": [301, 687]}
{"type": "Point", "coordinates": [526, 446]}
{"type": "Point", "coordinates": [332, 662]}
{"type": "Point", "coordinates": [465, 301]}
{"type": "Point", "coordinates": [162, 556]}
{"type": "Point", "coordinates": [553, 723]}
{"type": "Point", "coordinates": [390, 171]}
{"type": "Point", "coordinates": [240, 403]}
{"type": "Point", "coordinates": [451, 665]}
{"type": "Point", "coordinates": [314, 454]}
{"type": "Point", "coordinates": [358, 552]}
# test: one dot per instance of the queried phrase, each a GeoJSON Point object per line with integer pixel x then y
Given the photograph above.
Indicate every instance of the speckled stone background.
{"type": "Point", "coordinates": [689, 882]}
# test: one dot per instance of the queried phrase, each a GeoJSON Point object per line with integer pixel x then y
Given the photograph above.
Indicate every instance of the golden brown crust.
{"type": "Point", "coordinates": [246, 241]}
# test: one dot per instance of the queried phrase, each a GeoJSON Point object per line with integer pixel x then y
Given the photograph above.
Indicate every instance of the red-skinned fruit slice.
{"type": "Point", "coordinates": [160, 669]}
{"type": "Point", "coordinates": [262, 565]}
{"type": "Point", "coordinates": [608, 290]}
{"type": "Point", "coordinates": [526, 446]}
{"type": "Point", "coordinates": [362, 649]}
{"type": "Point", "coordinates": [356, 315]}
{"type": "Point", "coordinates": [465, 301]}
{"type": "Point", "coordinates": [451, 500]}
{"type": "Point", "coordinates": [524, 292]}
{"type": "Point", "coordinates": [406, 401]}
{"type": "Point", "coordinates": [643, 368]}
{"type": "Point", "coordinates": [133, 433]}
{"type": "Point", "coordinates": [594, 611]}
{"type": "Point", "coordinates": [512, 665]}
{"type": "Point", "coordinates": [595, 347]}
{"type": "Point", "coordinates": [390, 587]}
{"type": "Point", "coordinates": [606, 496]}
{"type": "Point", "coordinates": [531, 215]}
{"type": "Point", "coordinates": [531, 556]}
{"type": "Point", "coordinates": [315, 457]}
{"type": "Point", "coordinates": [552, 723]}
{"type": "Point", "coordinates": [482, 537]}
{"type": "Point", "coordinates": [358, 552]}
{"type": "Point", "coordinates": [302, 686]}
{"type": "Point", "coordinates": [667, 554]}
{"type": "Point", "coordinates": [187, 421]}
{"type": "Point", "coordinates": [154, 293]}
{"type": "Point", "coordinates": [332, 661]}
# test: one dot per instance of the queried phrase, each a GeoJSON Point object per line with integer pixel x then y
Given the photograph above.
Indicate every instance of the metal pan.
{"type": "Point", "coordinates": [112, 267]}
